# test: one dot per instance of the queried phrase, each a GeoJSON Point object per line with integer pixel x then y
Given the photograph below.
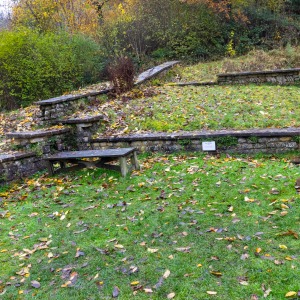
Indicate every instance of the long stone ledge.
{"type": "Point", "coordinates": [281, 71]}
{"type": "Point", "coordinates": [71, 97]}
{"type": "Point", "coordinates": [272, 132]}
{"type": "Point", "coordinates": [148, 74]}
{"type": "Point", "coordinates": [5, 157]}
{"type": "Point", "coordinates": [36, 133]}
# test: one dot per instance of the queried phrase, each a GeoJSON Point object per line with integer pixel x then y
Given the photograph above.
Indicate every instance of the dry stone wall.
{"type": "Point", "coordinates": [282, 77]}
{"type": "Point", "coordinates": [247, 142]}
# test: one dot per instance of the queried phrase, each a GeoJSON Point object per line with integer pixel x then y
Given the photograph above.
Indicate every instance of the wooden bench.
{"type": "Point", "coordinates": [104, 157]}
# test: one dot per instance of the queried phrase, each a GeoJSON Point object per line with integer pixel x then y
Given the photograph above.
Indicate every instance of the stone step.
{"type": "Point", "coordinates": [81, 120]}
{"type": "Point", "coordinates": [35, 134]}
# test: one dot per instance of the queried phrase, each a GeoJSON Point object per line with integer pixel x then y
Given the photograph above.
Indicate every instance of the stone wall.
{"type": "Point", "coordinates": [19, 165]}
{"type": "Point", "coordinates": [247, 142]}
{"type": "Point", "coordinates": [282, 77]}
{"type": "Point", "coordinates": [54, 109]}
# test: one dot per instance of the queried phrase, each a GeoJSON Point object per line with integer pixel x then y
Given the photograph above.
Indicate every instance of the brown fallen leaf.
{"type": "Point", "coordinates": [289, 232]}
{"type": "Point", "coordinates": [79, 253]}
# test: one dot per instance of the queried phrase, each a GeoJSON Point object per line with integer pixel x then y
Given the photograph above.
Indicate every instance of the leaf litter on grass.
{"type": "Point", "coordinates": [191, 223]}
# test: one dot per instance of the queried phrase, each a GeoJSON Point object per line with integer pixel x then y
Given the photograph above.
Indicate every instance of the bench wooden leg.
{"type": "Point", "coordinates": [134, 161]}
{"type": "Point", "coordinates": [123, 166]}
{"type": "Point", "coordinates": [50, 167]}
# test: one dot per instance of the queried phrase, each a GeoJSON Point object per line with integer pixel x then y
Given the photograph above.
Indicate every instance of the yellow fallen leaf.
{"type": "Point", "coordinates": [199, 265]}
{"type": "Point", "coordinates": [119, 246]}
{"type": "Point", "coordinates": [258, 250]}
{"type": "Point", "coordinates": [290, 294]}
{"type": "Point", "coordinates": [216, 273]}
{"type": "Point", "coordinates": [134, 283]}
{"type": "Point", "coordinates": [284, 247]}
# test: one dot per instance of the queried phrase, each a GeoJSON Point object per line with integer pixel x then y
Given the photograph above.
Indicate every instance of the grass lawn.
{"type": "Point", "coordinates": [187, 226]}
{"type": "Point", "coordinates": [205, 108]}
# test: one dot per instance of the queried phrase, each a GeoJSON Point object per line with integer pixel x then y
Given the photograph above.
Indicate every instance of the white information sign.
{"type": "Point", "coordinates": [209, 146]}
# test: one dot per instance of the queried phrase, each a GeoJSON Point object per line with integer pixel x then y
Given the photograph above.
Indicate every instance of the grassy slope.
{"type": "Point", "coordinates": [222, 213]}
{"type": "Point", "coordinates": [213, 108]}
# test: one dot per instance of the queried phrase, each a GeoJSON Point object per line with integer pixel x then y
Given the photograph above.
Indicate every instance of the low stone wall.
{"type": "Point", "coordinates": [282, 77]}
{"type": "Point", "coordinates": [53, 109]}
{"type": "Point", "coordinates": [41, 142]}
{"type": "Point", "coordinates": [19, 165]}
{"type": "Point", "coordinates": [247, 141]}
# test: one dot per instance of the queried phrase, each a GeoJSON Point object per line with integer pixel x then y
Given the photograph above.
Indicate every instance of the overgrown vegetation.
{"type": "Point", "coordinates": [200, 227]}
{"type": "Point", "coordinates": [56, 57]}
{"type": "Point", "coordinates": [37, 66]}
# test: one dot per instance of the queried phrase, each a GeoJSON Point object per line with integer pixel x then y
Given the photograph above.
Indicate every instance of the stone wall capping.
{"type": "Point", "coordinates": [88, 119]}
{"type": "Point", "coordinates": [249, 73]}
{"type": "Point", "coordinates": [148, 74]}
{"type": "Point", "coordinates": [5, 157]}
{"type": "Point", "coordinates": [36, 133]}
{"type": "Point", "coordinates": [162, 136]}
{"type": "Point", "coordinates": [71, 97]}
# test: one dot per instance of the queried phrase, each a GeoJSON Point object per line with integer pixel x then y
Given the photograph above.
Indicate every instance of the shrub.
{"type": "Point", "coordinates": [35, 66]}
{"type": "Point", "coordinates": [121, 74]}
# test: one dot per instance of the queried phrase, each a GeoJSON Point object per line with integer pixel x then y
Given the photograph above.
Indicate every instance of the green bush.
{"type": "Point", "coordinates": [35, 66]}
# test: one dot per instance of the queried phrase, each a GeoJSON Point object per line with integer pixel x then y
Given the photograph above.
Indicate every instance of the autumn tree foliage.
{"type": "Point", "coordinates": [52, 16]}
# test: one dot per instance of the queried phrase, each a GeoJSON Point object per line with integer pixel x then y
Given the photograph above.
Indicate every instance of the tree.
{"type": "Point", "coordinates": [69, 15]}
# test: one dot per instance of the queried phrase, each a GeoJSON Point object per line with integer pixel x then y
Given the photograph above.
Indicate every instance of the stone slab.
{"type": "Point", "coordinates": [281, 71]}
{"type": "Point", "coordinates": [71, 97]}
{"type": "Point", "coordinates": [36, 133]}
{"type": "Point", "coordinates": [292, 131]}
{"type": "Point", "coordinates": [155, 71]}
{"type": "Point", "coordinates": [5, 157]}
{"type": "Point", "coordinates": [90, 119]}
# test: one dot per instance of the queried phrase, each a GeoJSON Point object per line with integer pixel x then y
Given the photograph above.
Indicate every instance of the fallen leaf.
{"type": "Point", "coordinates": [244, 256]}
{"type": "Point", "coordinates": [166, 274]}
{"type": "Point", "coordinates": [116, 292]}
{"type": "Point", "coordinates": [183, 249]}
{"type": "Point", "coordinates": [35, 284]}
{"type": "Point", "coordinates": [244, 282]}
{"type": "Point", "coordinates": [284, 247]}
{"type": "Point", "coordinates": [171, 295]}
{"type": "Point", "coordinates": [216, 273]}
{"type": "Point", "coordinates": [148, 291]}
{"type": "Point", "coordinates": [134, 283]}
{"type": "Point", "coordinates": [290, 294]}
{"type": "Point", "coordinates": [79, 253]}
{"type": "Point", "coordinates": [119, 246]}
{"type": "Point", "coordinates": [152, 250]}
{"type": "Point", "coordinates": [211, 292]}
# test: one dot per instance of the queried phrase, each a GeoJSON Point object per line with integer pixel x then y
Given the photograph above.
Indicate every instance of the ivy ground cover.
{"type": "Point", "coordinates": [185, 227]}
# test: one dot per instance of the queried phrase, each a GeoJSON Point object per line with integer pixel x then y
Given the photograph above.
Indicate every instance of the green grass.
{"type": "Point", "coordinates": [206, 108]}
{"type": "Point", "coordinates": [215, 209]}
